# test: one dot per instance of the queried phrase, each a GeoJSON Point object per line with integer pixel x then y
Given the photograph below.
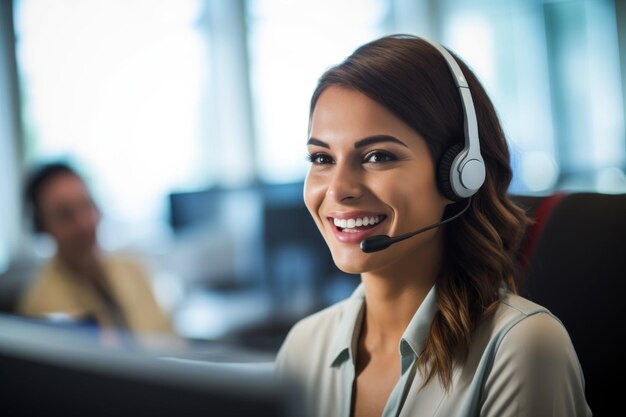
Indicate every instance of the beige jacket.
{"type": "Point", "coordinates": [57, 290]}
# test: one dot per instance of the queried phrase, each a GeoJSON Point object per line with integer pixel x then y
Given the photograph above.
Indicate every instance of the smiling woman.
{"type": "Point", "coordinates": [436, 326]}
{"type": "Point", "coordinates": [379, 170]}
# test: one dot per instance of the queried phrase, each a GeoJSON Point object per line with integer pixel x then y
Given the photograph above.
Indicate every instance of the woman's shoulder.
{"type": "Point", "coordinates": [126, 270]}
{"type": "Point", "coordinates": [516, 304]}
{"type": "Point", "coordinates": [519, 324]}
{"type": "Point", "coordinates": [524, 330]}
{"type": "Point", "coordinates": [532, 362]}
{"type": "Point", "coordinates": [320, 324]}
{"type": "Point", "coordinates": [514, 309]}
{"type": "Point", "coordinates": [122, 260]}
{"type": "Point", "coordinates": [47, 290]}
{"type": "Point", "coordinates": [308, 342]}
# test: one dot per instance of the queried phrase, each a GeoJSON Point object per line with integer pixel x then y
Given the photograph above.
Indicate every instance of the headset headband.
{"type": "Point", "coordinates": [467, 171]}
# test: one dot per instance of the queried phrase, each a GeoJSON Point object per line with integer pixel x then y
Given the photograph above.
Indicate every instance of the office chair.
{"type": "Point", "coordinates": [576, 268]}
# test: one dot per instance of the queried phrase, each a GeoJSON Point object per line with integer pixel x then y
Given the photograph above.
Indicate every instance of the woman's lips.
{"type": "Point", "coordinates": [355, 230]}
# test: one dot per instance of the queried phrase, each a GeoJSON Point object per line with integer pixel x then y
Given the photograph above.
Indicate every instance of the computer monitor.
{"type": "Point", "coordinates": [192, 208]}
{"type": "Point", "coordinates": [51, 371]}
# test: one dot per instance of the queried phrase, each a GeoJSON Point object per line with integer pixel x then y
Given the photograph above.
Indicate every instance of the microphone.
{"type": "Point", "coordinates": [380, 242]}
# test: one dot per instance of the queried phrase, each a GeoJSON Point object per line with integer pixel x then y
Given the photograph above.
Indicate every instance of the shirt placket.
{"type": "Point", "coordinates": [407, 374]}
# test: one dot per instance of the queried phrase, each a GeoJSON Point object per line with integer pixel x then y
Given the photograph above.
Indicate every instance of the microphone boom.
{"type": "Point", "coordinates": [380, 242]}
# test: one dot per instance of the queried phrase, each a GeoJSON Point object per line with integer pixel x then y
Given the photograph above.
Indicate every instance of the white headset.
{"type": "Point", "coordinates": [461, 170]}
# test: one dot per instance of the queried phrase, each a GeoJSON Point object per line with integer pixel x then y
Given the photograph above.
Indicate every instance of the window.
{"type": "Point", "coordinates": [116, 86]}
{"type": "Point", "coordinates": [291, 44]}
{"type": "Point", "coordinates": [552, 70]}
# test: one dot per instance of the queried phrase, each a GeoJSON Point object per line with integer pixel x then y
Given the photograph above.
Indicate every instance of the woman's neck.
{"type": "Point", "coordinates": [86, 265]}
{"type": "Point", "coordinates": [394, 294]}
{"type": "Point", "coordinates": [388, 310]}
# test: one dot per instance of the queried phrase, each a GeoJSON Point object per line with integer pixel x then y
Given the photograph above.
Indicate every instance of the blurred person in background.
{"type": "Point", "coordinates": [81, 282]}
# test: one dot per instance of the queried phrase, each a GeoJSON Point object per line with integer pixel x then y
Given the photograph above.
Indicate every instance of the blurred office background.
{"type": "Point", "coordinates": [189, 120]}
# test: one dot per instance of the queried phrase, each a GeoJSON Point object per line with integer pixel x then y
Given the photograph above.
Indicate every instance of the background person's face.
{"type": "Point", "coordinates": [391, 182]}
{"type": "Point", "coordinates": [68, 214]}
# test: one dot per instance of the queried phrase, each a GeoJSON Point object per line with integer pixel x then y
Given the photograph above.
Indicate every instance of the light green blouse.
{"type": "Point", "coordinates": [521, 363]}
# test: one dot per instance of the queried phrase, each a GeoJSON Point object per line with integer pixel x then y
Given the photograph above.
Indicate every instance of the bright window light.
{"type": "Point", "coordinates": [116, 87]}
{"type": "Point", "coordinates": [292, 44]}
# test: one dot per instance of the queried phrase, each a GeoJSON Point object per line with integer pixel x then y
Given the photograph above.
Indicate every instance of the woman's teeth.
{"type": "Point", "coordinates": [358, 222]}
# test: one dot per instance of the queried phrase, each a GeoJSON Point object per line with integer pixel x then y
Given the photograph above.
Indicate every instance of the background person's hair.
{"type": "Point", "coordinates": [410, 77]}
{"type": "Point", "coordinates": [36, 182]}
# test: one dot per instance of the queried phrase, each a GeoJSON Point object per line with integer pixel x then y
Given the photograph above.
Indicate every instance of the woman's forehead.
{"type": "Point", "coordinates": [63, 186]}
{"type": "Point", "coordinates": [343, 114]}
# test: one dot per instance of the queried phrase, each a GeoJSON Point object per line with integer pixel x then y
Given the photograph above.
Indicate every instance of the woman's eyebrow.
{"type": "Point", "coordinates": [377, 139]}
{"type": "Point", "coordinates": [361, 143]}
{"type": "Point", "coordinates": [317, 142]}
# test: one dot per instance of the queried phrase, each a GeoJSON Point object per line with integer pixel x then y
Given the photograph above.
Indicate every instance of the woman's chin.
{"type": "Point", "coordinates": [351, 270]}
{"type": "Point", "coordinates": [350, 264]}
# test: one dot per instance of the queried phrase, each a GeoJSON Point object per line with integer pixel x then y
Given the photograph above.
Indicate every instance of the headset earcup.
{"type": "Point", "coordinates": [443, 172]}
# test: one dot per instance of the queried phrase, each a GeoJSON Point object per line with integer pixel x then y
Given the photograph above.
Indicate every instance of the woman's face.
{"type": "Point", "coordinates": [68, 214]}
{"type": "Point", "coordinates": [370, 174]}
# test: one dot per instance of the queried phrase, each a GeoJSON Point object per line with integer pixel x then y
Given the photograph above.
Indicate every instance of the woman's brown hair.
{"type": "Point", "coordinates": [410, 78]}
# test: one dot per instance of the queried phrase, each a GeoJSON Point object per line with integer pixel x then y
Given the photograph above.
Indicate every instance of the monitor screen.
{"type": "Point", "coordinates": [46, 370]}
{"type": "Point", "coordinates": [193, 208]}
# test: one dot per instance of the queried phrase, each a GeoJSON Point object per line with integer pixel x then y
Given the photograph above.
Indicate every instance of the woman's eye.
{"type": "Point", "coordinates": [320, 159]}
{"type": "Point", "coordinates": [379, 156]}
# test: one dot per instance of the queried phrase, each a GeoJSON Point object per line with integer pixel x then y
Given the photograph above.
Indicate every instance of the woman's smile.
{"type": "Point", "coordinates": [352, 227]}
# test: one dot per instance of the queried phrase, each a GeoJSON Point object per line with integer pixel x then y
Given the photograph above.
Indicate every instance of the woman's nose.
{"type": "Point", "coordinates": [345, 184]}
{"type": "Point", "coordinates": [87, 218]}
